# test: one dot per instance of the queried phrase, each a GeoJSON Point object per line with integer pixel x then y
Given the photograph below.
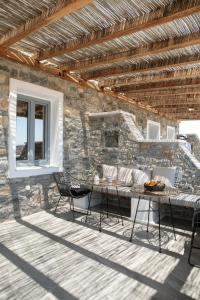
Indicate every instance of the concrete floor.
{"type": "Point", "coordinates": [47, 256]}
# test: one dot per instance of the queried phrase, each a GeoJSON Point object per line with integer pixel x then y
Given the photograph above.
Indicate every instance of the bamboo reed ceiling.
{"type": "Point", "coordinates": [145, 52]}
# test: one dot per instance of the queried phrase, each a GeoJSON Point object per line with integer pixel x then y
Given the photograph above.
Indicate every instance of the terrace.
{"type": "Point", "coordinates": [89, 89]}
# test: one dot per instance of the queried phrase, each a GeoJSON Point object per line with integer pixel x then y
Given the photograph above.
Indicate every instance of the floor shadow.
{"type": "Point", "coordinates": [108, 263]}
{"type": "Point", "coordinates": [94, 225]}
{"type": "Point", "coordinates": [178, 276]}
{"type": "Point", "coordinates": [44, 281]}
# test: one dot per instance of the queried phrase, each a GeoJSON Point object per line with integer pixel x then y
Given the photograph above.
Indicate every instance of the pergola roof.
{"type": "Point", "coordinates": [146, 52]}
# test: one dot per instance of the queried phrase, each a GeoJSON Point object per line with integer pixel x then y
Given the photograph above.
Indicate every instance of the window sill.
{"type": "Point", "coordinates": [27, 171]}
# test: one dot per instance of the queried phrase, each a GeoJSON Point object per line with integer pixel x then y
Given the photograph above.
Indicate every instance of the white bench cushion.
{"type": "Point", "coordinates": [109, 171]}
{"type": "Point", "coordinates": [140, 177]}
{"type": "Point", "coordinates": [125, 175]}
{"type": "Point", "coordinates": [165, 175]}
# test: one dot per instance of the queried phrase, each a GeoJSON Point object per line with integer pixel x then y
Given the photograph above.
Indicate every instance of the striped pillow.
{"type": "Point", "coordinates": [109, 171]}
{"type": "Point", "coordinates": [125, 175]}
{"type": "Point", "coordinates": [140, 177]}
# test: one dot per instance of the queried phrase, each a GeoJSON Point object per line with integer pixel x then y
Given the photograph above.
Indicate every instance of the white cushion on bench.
{"type": "Point", "coordinates": [125, 175]}
{"type": "Point", "coordinates": [165, 175]}
{"type": "Point", "coordinates": [140, 177]}
{"type": "Point", "coordinates": [109, 171]}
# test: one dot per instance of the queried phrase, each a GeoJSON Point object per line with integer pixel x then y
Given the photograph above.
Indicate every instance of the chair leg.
{"type": "Point", "coordinates": [70, 203]}
{"type": "Point", "coordinates": [159, 226]}
{"type": "Point", "coordinates": [72, 200]}
{"type": "Point", "coordinates": [148, 215]}
{"type": "Point", "coordinates": [119, 207]}
{"type": "Point", "coordinates": [100, 217]}
{"type": "Point", "coordinates": [89, 205]}
{"type": "Point", "coordinates": [172, 218]}
{"type": "Point", "coordinates": [57, 203]}
{"type": "Point", "coordinates": [138, 203]}
{"type": "Point", "coordinates": [191, 245]}
{"type": "Point", "coordinates": [107, 202]}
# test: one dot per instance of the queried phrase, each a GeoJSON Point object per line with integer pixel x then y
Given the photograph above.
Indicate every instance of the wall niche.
{"type": "Point", "coordinates": [111, 138]}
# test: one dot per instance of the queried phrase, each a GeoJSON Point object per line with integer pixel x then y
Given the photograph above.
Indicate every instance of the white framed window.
{"type": "Point", "coordinates": [32, 131]}
{"type": "Point", "coordinates": [153, 130]}
{"type": "Point", "coordinates": [171, 133]}
{"type": "Point", "coordinates": [35, 130]}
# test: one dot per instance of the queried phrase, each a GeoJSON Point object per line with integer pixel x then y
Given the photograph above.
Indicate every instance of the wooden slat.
{"type": "Point", "coordinates": [45, 18]}
{"type": "Point", "coordinates": [177, 105]}
{"type": "Point", "coordinates": [121, 84]}
{"type": "Point", "coordinates": [177, 9]}
{"type": "Point", "coordinates": [167, 84]}
{"type": "Point", "coordinates": [181, 109]}
{"type": "Point", "coordinates": [143, 67]}
{"type": "Point", "coordinates": [163, 98]}
{"type": "Point", "coordinates": [166, 93]}
{"type": "Point", "coordinates": [165, 76]}
{"type": "Point", "coordinates": [178, 100]}
{"type": "Point", "coordinates": [135, 53]}
{"type": "Point", "coordinates": [162, 89]}
{"type": "Point", "coordinates": [22, 59]}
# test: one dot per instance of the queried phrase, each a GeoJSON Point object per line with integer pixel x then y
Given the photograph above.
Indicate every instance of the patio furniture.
{"type": "Point", "coordinates": [156, 199]}
{"type": "Point", "coordinates": [195, 226]}
{"type": "Point", "coordinates": [68, 189]}
{"type": "Point", "coordinates": [103, 187]}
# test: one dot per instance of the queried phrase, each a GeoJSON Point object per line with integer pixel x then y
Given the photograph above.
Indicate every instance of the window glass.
{"type": "Point", "coordinates": [32, 131]}
{"type": "Point", "coordinates": [153, 130]}
{"type": "Point", "coordinates": [171, 132]}
{"type": "Point", "coordinates": [40, 131]}
{"type": "Point", "coordinates": [22, 130]}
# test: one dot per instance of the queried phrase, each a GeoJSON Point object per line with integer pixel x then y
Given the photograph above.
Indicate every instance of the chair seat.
{"type": "Point", "coordinates": [79, 192]}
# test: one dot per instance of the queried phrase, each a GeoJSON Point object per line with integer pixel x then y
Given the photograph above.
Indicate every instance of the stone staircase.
{"type": "Point", "coordinates": [135, 133]}
{"type": "Point", "coordinates": [188, 155]}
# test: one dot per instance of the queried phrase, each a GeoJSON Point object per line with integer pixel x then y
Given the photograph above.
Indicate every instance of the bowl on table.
{"type": "Point", "coordinates": [154, 186]}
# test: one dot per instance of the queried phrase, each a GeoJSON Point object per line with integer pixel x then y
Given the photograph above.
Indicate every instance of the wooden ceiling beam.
{"type": "Point", "coordinates": [185, 109]}
{"type": "Point", "coordinates": [172, 98]}
{"type": "Point", "coordinates": [177, 105]}
{"type": "Point", "coordinates": [143, 67]}
{"type": "Point", "coordinates": [135, 53]}
{"type": "Point", "coordinates": [162, 84]}
{"type": "Point", "coordinates": [165, 76]}
{"type": "Point", "coordinates": [185, 115]}
{"type": "Point", "coordinates": [166, 93]}
{"type": "Point", "coordinates": [163, 89]}
{"type": "Point", "coordinates": [23, 59]}
{"type": "Point", "coordinates": [61, 9]}
{"type": "Point", "coordinates": [176, 10]}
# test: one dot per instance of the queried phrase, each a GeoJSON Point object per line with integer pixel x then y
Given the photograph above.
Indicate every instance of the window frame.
{"type": "Point", "coordinates": [32, 102]}
{"type": "Point", "coordinates": [56, 100]}
{"type": "Point", "coordinates": [149, 122]}
{"type": "Point", "coordinates": [174, 129]}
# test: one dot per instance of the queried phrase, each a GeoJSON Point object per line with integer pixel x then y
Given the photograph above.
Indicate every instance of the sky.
{"type": "Point", "coordinates": [187, 127]}
{"type": "Point", "coordinates": [22, 130]}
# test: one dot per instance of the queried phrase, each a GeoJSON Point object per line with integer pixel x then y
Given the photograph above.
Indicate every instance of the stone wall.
{"type": "Point", "coordinates": [194, 140]}
{"type": "Point", "coordinates": [19, 197]}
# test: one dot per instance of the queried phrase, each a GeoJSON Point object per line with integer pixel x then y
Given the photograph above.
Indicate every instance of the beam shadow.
{"type": "Point", "coordinates": [113, 234]}
{"type": "Point", "coordinates": [110, 264]}
{"type": "Point", "coordinates": [36, 275]}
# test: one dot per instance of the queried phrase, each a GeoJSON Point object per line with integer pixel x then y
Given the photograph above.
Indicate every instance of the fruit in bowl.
{"type": "Point", "coordinates": [154, 185]}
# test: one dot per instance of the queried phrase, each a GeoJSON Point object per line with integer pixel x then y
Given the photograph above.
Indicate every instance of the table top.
{"type": "Point", "coordinates": [177, 197]}
{"type": "Point", "coordinates": [134, 189]}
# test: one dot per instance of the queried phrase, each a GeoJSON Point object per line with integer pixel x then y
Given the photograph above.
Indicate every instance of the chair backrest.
{"type": "Point", "coordinates": [63, 183]}
{"type": "Point", "coordinates": [197, 205]}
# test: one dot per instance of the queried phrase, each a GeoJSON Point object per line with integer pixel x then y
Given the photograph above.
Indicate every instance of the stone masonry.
{"type": "Point", "coordinates": [15, 199]}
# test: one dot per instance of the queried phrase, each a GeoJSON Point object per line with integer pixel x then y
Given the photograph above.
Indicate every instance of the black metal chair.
{"type": "Point", "coordinates": [195, 227]}
{"type": "Point", "coordinates": [68, 189]}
